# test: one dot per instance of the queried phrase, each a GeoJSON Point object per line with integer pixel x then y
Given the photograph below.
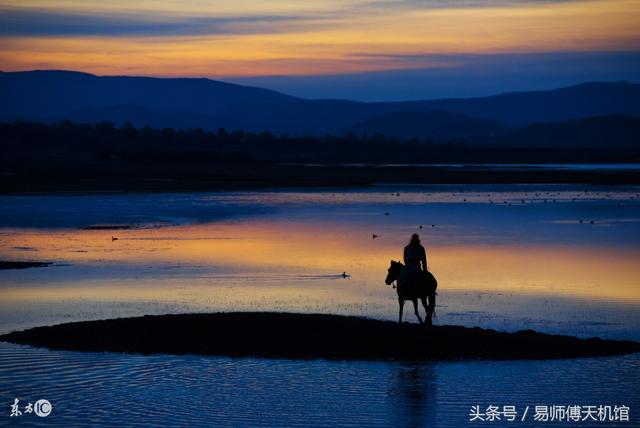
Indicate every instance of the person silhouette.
{"type": "Point", "coordinates": [415, 256]}
{"type": "Point", "coordinates": [416, 271]}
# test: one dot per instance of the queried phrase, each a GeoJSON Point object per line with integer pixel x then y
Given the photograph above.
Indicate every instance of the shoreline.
{"type": "Point", "coordinates": [209, 177]}
{"type": "Point", "coordinates": [308, 336]}
{"type": "Point", "coordinates": [310, 188]}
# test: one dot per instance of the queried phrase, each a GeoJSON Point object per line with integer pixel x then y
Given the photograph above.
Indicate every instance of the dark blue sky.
{"type": "Point", "coordinates": [477, 76]}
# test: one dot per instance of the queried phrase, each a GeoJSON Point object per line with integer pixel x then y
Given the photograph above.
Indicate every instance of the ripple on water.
{"type": "Point", "coordinates": [108, 389]}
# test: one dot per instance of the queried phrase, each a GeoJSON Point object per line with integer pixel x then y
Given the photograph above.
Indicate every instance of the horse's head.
{"type": "Point", "coordinates": [394, 272]}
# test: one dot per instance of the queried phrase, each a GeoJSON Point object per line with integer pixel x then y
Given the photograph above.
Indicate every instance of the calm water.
{"type": "Point", "coordinates": [593, 167]}
{"type": "Point", "coordinates": [559, 259]}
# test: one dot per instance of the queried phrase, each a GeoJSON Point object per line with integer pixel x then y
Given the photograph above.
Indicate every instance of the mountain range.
{"type": "Point", "coordinates": [209, 104]}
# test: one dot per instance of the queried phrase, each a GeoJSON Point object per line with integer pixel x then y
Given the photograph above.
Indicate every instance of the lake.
{"type": "Point", "coordinates": [554, 258]}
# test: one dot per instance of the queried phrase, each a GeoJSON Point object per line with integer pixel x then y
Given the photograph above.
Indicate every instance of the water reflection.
{"type": "Point", "coordinates": [98, 389]}
{"type": "Point", "coordinates": [501, 262]}
{"type": "Point", "coordinates": [412, 390]}
{"type": "Point", "coordinates": [298, 251]}
{"type": "Point", "coordinates": [506, 257]}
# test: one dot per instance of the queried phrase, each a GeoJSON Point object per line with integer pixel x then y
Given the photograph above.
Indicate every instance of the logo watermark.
{"type": "Point", "coordinates": [41, 408]}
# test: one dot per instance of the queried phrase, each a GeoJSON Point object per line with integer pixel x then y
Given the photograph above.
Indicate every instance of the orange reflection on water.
{"type": "Point", "coordinates": [281, 256]}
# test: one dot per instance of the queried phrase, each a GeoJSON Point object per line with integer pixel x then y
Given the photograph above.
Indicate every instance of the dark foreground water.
{"type": "Point", "coordinates": [559, 259]}
{"type": "Point", "coordinates": [93, 389]}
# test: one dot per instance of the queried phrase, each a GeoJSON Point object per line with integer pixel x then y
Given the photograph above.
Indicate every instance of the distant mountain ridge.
{"type": "Point", "coordinates": [518, 109]}
{"type": "Point", "coordinates": [210, 104]}
{"type": "Point", "coordinates": [56, 93]}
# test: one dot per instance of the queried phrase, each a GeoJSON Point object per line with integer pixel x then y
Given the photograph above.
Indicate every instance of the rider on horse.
{"type": "Point", "coordinates": [414, 280]}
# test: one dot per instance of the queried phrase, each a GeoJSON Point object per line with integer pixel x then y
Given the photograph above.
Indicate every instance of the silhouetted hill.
{"type": "Point", "coordinates": [523, 108]}
{"type": "Point", "coordinates": [431, 124]}
{"type": "Point", "coordinates": [209, 104]}
{"type": "Point", "coordinates": [56, 93]}
{"type": "Point", "coordinates": [513, 109]}
{"type": "Point", "coordinates": [611, 131]}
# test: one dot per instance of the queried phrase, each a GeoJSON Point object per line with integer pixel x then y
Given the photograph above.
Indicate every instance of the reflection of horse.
{"type": "Point", "coordinates": [413, 286]}
{"type": "Point", "coordinates": [412, 389]}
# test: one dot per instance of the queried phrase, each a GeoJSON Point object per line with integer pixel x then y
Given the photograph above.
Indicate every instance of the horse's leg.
{"type": "Point", "coordinates": [415, 309]}
{"type": "Point", "coordinates": [426, 309]}
{"type": "Point", "coordinates": [431, 307]}
{"type": "Point", "coordinates": [401, 303]}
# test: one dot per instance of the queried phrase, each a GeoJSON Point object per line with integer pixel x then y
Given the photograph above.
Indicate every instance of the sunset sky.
{"type": "Point", "coordinates": [369, 49]}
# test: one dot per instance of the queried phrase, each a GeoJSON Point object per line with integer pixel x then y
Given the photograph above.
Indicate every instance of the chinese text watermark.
{"type": "Point", "coordinates": [555, 413]}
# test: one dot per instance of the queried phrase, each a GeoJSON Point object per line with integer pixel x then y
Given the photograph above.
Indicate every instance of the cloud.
{"type": "Point", "coordinates": [25, 22]}
{"type": "Point", "coordinates": [18, 21]}
{"type": "Point", "coordinates": [289, 37]}
{"type": "Point", "coordinates": [455, 4]}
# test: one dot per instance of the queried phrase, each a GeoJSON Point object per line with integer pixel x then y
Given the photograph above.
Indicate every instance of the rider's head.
{"type": "Point", "coordinates": [415, 239]}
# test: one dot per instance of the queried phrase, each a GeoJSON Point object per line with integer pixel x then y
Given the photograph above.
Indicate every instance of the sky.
{"type": "Point", "coordinates": [355, 49]}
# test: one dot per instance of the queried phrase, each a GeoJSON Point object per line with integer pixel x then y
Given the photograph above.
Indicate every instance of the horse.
{"type": "Point", "coordinates": [409, 288]}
